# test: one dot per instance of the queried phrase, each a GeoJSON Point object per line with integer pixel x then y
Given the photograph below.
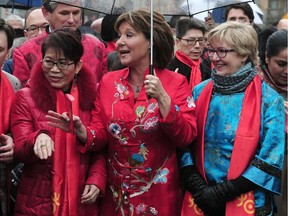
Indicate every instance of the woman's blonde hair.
{"type": "Point", "coordinates": [241, 37]}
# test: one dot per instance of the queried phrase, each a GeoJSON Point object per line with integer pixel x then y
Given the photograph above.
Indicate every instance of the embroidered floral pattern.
{"type": "Point", "coordinates": [137, 175]}
{"type": "Point", "coordinates": [150, 123]}
{"type": "Point", "coordinates": [139, 111]}
{"type": "Point", "coordinates": [151, 107]}
{"type": "Point", "coordinates": [153, 211]}
{"type": "Point", "coordinates": [115, 130]}
{"type": "Point", "coordinates": [190, 102]}
{"type": "Point", "coordinates": [141, 208]}
{"type": "Point", "coordinates": [122, 90]}
{"type": "Point", "coordinates": [161, 176]}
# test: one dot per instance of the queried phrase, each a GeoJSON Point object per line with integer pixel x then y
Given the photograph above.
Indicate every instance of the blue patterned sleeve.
{"type": "Point", "coordinates": [265, 169]}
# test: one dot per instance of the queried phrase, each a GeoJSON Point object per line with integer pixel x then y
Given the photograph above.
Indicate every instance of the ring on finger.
{"type": "Point", "coordinates": [42, 145]}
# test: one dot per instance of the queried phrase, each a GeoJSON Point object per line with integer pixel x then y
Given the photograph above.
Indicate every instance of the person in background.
{"type": "Point", "coordinates": [262, 42]}
{"type": "Point", "coordinates": [237, 157]}
{"type": "Point", "coordinates": [190, 43]}
{"type": "Point", "coordinates": [91, 19]}
{"type": "Point", "coordinates": [274, 71]}
{"type": "Point", "coordinates": [57, 179]}
{"type": "Point", "coordinates": [240, 13]}
{"type": "Point", "coordinates": [209, 21]}
{"type": "Point", "coordinates": [8, 85]}
{"type": "Point", "coordinates": [142, 131]}
{"type": "Point", "coordinates": [105, 27]}
{"type": "Point", "coordinates": [59, 16]}
{"type": "Point", "coordinates": [8, 64]}
{"type": "Point", "coordinates": [17, 23]}
{"type": "Point", "coordinates": [35, 23]}
{"type": "Point", "coordinates": [282, 24]}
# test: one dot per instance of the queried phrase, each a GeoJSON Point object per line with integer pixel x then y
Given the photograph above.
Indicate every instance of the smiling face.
{"type": "Point", "coordinates": [277, 65]}
{"type": "Point", "coordinates": [193, 51]}
{"type": "Point", "coordinates": [229, 64]}
{"type": "Point", "coordinates": [60, 79]}
{"type": "Point", "coordinates": [132, 46]}
{"type": "Point", "coordinates": [63, 16]}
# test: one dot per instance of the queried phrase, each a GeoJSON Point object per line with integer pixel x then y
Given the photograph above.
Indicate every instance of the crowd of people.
{"type": "Point", "coordinates": [91, 128]}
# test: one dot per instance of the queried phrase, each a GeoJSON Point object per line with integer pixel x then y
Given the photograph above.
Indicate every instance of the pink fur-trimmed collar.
{"type": "Point", "coordinates": [45, 96]}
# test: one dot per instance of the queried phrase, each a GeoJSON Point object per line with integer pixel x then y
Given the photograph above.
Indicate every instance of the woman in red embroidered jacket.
{"type": "Point", "coordinates": [57, 179]}
{"type": "Point", "coordinates": [142, 132]}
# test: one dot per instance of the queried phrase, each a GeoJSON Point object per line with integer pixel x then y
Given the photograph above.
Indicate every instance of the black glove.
{"type": "Point", "coordinates": [213, 199]}
{"type": "Point", "coordinates": [191, 180]}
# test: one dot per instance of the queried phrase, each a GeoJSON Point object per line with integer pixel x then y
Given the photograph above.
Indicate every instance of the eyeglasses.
{"type": "Point", "coordinates": [221, 53]}
{"type": "Point", "coordinates": [33, 29]}
{"type": "Point", "coordinates": [192, 41]}
{"type": "Point", "coordinates": [62, 65]}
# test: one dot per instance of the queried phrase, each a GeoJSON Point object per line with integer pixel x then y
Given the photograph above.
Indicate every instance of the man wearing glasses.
{"type": "Point", "coordinates": [35, 23]}
{"type": "Point", "coordinates": [190, 42]}
{"type": "Point", "coordinates": [58, 16]}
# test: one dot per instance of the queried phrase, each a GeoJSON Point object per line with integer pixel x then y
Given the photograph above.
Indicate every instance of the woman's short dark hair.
{"type": "Point", "coordinates": [184, 25]}
{"type": "Point", "coordinates": [163, 41]}
{"type": "Point", "coordinates": [8, 31]}
{"type": "Point", "coordinates": [66, 41]}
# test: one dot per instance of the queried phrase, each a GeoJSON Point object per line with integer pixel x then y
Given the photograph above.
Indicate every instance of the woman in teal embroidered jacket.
{"type": "Point", "coordinates": [239, 149]}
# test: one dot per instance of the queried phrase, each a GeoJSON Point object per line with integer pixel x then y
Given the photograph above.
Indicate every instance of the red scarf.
{"type": "Point", "coordinates": [66, 162]}
{"type": "Point", "coordinates": [195, 74]}
{"type": "Point", "coordinates": [7, 96]}
{"type": "Point", "coordinates": [245, 145]}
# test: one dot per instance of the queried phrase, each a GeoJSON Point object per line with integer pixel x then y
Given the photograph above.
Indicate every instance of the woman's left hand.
{"type": "Point", "coordinates": [90, 194]}
{"type": "Point", "coordinates": [154, 89]}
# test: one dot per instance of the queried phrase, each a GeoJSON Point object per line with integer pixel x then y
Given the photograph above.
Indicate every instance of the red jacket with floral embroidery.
{"type": "Point", "coordinates": [142, 165]}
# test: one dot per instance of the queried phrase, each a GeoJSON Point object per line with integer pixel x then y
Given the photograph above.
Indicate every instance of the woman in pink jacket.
{"type": "Point", "coordinates": [57, 179]}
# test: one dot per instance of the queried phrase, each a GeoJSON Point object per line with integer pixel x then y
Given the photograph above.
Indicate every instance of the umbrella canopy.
{"type": "Point", "coordinates": [166, 7]}
{"type": "Point", "coordinates": [22, 4]}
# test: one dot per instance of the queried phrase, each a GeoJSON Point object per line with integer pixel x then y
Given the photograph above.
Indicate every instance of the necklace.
{"type": "Point", "coordinates": [138, 87]}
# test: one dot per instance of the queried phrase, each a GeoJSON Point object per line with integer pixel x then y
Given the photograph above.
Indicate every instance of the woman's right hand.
{"type": "Point", "coordinates": [43, 146]}
{"type": "Point", "coordinates": [62, 121]}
